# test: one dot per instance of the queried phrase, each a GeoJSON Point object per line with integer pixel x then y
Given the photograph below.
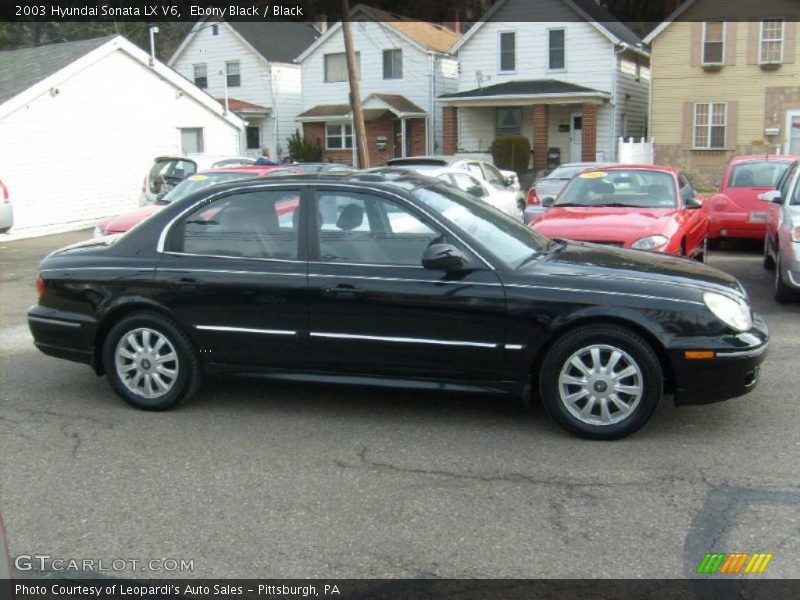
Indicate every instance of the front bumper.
{"type": "Point", "coordinates": [733, 371]}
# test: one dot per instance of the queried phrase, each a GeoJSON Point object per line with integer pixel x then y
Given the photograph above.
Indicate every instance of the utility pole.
{"type": "Point", "coordinates": [355, 90]}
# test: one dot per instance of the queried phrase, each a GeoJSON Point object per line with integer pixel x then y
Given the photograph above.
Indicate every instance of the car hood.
{"type": "Point", "coordinates": [604, 223]}
{"type": "Point", "coordinates": [580, 260]}
{"type": "Point", "coordinates": [123, 222]}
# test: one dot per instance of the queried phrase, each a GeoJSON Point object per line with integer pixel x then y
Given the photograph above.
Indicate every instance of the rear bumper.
{"type": "Point", "coordinates": [735, 225]}
{"type": "Point", "coordinates": [733, 372]}
{"type": "Point", "coordinates": [64, 335]}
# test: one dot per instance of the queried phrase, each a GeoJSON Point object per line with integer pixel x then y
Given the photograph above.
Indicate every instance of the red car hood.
{"type": "Point", "coordinates": [121, 223]}
{"type": "Point", "coordinates": [623, 225]}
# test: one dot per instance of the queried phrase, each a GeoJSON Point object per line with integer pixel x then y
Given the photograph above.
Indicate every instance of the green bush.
{"type": "Point", "coordinates": [511, 152]}
{"type": "Point", "coordinates": [303, 150]}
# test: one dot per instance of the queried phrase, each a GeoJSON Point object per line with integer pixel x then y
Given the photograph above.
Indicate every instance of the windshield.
{"type": "Point", "coordinates": [620, 187]}
{"type": "Point", "coordinates": [506, 238]}
{"type": "Point", "coordinates": [198, 182]}
{"type": "Point", "coordinates": [761, 173]}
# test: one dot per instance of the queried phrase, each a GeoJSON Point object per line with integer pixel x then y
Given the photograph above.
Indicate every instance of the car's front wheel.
{"type": "Point", "coordinates": [150, 362]}
{"type": "Point", "coordinates": [601, 382]}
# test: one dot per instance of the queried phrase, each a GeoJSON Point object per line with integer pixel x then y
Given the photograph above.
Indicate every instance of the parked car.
{"type": "Point", "coordinates": [193, 183]}
{"type": "Point", "coordinates": [6, 210]}
{"type": "Point", "coordinates": [500, 179]}
{"type": "Point", "coordinates": [546, 189]}
{"type": "Point", "coordinates": [735, 210]}
{"type": "Point", "coordinates": [503, 199]}
{"type": "Point", "coordinates": [782, 240]}
{"type": "Point", "coordinates": [323, 167]}
{"type": "Point", "coordinates": [169, 171]}
{"type": "Point", "coordinates": [640, 207]}
{"type": "Point", "coordinates": [399, 281]}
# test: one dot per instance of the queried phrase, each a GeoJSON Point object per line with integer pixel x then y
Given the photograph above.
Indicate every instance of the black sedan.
{"type": "Point", "coordinates": [394, 280]}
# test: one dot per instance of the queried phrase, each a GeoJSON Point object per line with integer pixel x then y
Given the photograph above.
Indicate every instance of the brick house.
{"type": "Point", "coordinates": [572, 82]}
{"type": "Point", "coordinates": [404, 65]}
{"type": "Point", "coordinates": [723, 87]}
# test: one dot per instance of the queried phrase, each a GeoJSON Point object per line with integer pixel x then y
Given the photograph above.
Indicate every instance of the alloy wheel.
{"type": "Point", "coordinates": [146, 362]}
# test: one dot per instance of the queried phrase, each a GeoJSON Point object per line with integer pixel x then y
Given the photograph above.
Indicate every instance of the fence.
{"type": "Point", "coordinates": [632, 152]}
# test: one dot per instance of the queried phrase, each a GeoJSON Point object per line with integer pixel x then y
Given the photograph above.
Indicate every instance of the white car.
{"type": "Point", "coordinates": [504, 199]}
{"type": "Point", "coordinates": [169, 171]}
{"type": "Point", "coordinates": [6, 211]}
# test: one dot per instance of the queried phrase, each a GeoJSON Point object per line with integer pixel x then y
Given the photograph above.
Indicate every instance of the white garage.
{"type": "Point", "coordinates": [80, 124]}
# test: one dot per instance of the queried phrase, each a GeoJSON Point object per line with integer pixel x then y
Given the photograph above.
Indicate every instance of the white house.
{"type": "Point", "coordinates": [80, 124]}
{"type": "Point", "coordinates": [250, 68]}
{"type": "Point", "coordinates": [572, 81]}
{"type": "Point", "coordinates": [404, 65]}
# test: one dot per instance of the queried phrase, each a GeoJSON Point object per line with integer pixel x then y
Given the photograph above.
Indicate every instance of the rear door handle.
{"type": "Point", "coordinates": [344, 292]}
{"type": "Point", "coordinates": [185, 282]}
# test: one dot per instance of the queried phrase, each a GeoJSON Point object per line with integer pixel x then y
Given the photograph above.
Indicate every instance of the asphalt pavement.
{"type": "Point", "coordinates": [253, 478]}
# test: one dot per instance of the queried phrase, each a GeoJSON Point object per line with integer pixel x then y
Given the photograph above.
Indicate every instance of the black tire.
{"type": "Point", "coordinates": [634, 350]}
{"type": "Point", "coordinates": [783, 293]}
{"type": "Point", "coordinates": [768, 262]}
{"type": "Point", "coordinates": [186, 363]}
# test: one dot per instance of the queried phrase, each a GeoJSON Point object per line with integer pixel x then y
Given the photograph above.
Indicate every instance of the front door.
{"type": "Point", "coordinates": [793, 133]}
{"type": "Point", "coordinates": [400, 137]}
{"type": "Point", "coordinates": [576, 136]}
{"type": "Point", "coordinates": [373, 308]}
{"type": "Point", "coordinates": [234, 275]}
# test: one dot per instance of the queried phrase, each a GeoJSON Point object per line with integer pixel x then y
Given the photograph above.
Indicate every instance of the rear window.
{"type": "Point", "coordinates": [172, 168]}
{"type": "Point", "coordinates": [762, 173]}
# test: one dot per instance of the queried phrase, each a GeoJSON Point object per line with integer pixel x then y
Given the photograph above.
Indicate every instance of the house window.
{"type": "Point", "coordinates": [710, 121]}
{"type": "Point", "coordinates": [508, 121]}
{"type": "Point", "coordinates": [253, 137]}
{"type": "Point", "coordinates": [232, 73]}
{"type": "Point", "coordinates": [771, 42]}
{"type": "Point", "coordinates": [508, 51]}
{"type": "Point", "coordinates": [713, 43]}
{"type": "Point", "coordinates": [215, 29]}
{"type": "Point", "coordinates": [393, 64]}
{"type": "Point", "coordinates": [201, 76]}
{"type": "Point", "coordinates": [338, 136]}
{"type": "Point", "coordinates": [191, 140]}
{"type": "Point", "coordinates": [336, 67]}
{"type": "Point", "coordinates": [557, 50]}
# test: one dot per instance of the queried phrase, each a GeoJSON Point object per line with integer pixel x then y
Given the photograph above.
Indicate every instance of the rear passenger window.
{"type": "Point", "coordinates": [261, 224]}
{"type": "Point", "coordinates": [366, 229]}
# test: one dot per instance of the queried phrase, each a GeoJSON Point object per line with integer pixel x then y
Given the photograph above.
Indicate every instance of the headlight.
{"type": "Point", "coordinates": [733, 313]}
{"type": "Point", "coordinates": [650, 242]}
{"type": "Point", "coordinates": [98, 232]}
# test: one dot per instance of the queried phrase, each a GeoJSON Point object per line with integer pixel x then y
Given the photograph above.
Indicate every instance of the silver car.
{"type": "Point", "coordinates": [6, 211]}
{"type": "Point", "coordinates": [782, 242]}
{"type": "Point", "coordinates": [547, 188]}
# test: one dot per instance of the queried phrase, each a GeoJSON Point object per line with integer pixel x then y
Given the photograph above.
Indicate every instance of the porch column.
{"type": "Point", "coordinates": [403, 126]}
{"type": "Point", "coordinates": [540, 118]}
{"type": "Point", "coordinates": [589, 141]}
{"type": "Point", "coordinates": [449, 130]}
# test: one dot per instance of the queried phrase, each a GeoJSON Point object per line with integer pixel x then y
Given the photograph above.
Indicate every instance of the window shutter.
{"type": "Point", "coordinates": [753, 42]}
{"type": "Point", "coordinates": [790, 42]}
{"type": "Point", "coordinates": [731, 129]}
{"type": "Point", "coordinates": [730, 42]}
{"type": "Point", "coordinates": [687, 141]}
{"type": "Point", "coordinates": [696, 53]}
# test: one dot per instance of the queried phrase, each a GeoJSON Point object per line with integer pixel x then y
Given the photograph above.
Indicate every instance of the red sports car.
{"type": "Point", "coordinates": [735, 210]}
{"type": "Point", "coordinates": [122, 223]}
{"type": "Point", "coordinates": [631, 206]}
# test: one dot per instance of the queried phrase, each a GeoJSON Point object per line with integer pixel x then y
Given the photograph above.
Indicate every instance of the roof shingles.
{"type": "Point", "coordinates": [530, 87]}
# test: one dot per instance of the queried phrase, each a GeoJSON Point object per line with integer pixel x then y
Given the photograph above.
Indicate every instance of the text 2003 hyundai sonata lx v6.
{"type": "Point", "coordinates": [394, 280]}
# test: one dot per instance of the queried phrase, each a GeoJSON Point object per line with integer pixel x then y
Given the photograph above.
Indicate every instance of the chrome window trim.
{"type": "Point", "coordinates": [228, 271]}
{"type": "Point", "coordinates": [349, 264]}
{"type": "Point", "coordinates": [244, 330]}
{"type": "Point", "coordinates": [375, 278]}
{"type": "Point", "coordinates": [403, 340]}
{"type": "Point", "coordinates": [67, 269]}
{"type": "Point", "coordinates": [282, 260]}
{"type": "Point", "coordinates": [514, 346]}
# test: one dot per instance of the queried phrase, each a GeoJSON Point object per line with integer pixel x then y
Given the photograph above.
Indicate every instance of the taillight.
{"type": "Point", "coordinates": [4, 192]}
{"type": "Point", "coordinates": [40, 286]}
{"type": "Point", "coordinates": [533, 199]}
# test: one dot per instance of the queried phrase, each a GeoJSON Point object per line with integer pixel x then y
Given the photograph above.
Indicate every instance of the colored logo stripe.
{"type": "Point", "coordinates": [710, 563]}
{"type": "Point", "coordinates": [732, 564]}
{"type": "Point", "coordinates": [758, 563]}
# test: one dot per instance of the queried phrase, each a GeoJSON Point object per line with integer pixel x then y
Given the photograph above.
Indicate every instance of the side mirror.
{"type": "Point", "coordinates": [548, 201]}
{"type": "Point", "coordinates": [443, 256]}
{"type": "Point", "coordinates": [509, 181]}
{"type": "Point", "coordinates": [693, 202]}
{"type": "Point", "coordinates": [773, 196]}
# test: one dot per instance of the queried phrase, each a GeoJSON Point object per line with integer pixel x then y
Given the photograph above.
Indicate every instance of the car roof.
{"type": "Point", "coordinates": [632, 167]}
{"type": "Point", "coordinates": [753, 157]}
{"type": "Point", "coordinates": [256, 169]}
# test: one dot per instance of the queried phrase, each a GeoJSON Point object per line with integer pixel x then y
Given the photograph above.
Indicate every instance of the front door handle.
{"type": "Point", "coordinates": [185, 282]}
{"type": "Point", "coordinates": [343, 292]}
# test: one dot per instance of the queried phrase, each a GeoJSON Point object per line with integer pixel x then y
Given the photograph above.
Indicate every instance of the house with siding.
{"type": "Point", "coordinates": [725, 85]}
{"type": "Point", "coordinates": [572, 82]}
{"type": "Point", "coordinates": [404, 66]}
{"type": "Point", "coordinates": [249, 68]}
{"type": "Point", "coordinates": [82, 121]}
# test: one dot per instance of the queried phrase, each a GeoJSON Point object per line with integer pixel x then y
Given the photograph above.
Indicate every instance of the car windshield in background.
{"type": "Point", "coordinates": [198, 182]}
{"type": "Point", "coordinates": [506, 238]}
{"type": "Point", "coordinates": [565, 173]}
{"type": "Point", "coordinates": [637, 188]}
{"type": "Point", "coordinates": [761, 173]}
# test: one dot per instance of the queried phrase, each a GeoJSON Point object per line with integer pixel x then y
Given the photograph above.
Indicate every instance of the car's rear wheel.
{"type": "Point", "coordinates": [783, 293]}
{"type": "Point", "coordinates": [769, 262]}
{"type": "Point", "coordinates": [601, 382]}
{"type": "Point", "coordinates": [150, 362]}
